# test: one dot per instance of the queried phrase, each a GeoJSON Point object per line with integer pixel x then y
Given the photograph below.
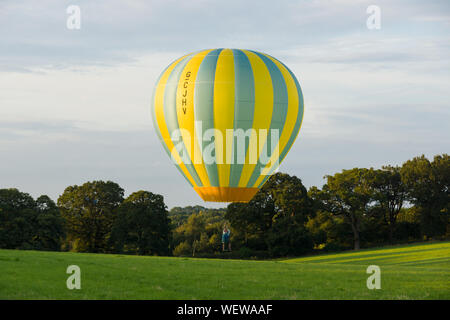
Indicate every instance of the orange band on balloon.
{"type": "Point", "coordinates": [226, 194]}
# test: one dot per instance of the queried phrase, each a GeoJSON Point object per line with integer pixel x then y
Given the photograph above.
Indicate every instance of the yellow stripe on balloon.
{"type": "Point", "coordinates": [160, 119]}
{"type": "Point", "coordinates": [262, 113]}
{"type": "Point", "coordinates": [296, 134]}
{"type": "Point", "coordinates": [185, 114]}
{"type": "Point", "coordinates": [224, 112]}
{"type": "Point", "coordinates": [291, 117]}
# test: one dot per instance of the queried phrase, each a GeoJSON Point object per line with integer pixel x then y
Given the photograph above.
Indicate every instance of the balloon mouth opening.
{"type": "Point", "coordinates": [226, 194]}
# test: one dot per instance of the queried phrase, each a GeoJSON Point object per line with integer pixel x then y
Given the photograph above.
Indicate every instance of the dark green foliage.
{"type": "Point", "coordinates": [356, 208]}
{"type": "Point", "coordinates": [274, 220]}
{"type": "Point", "coordinates": [29, 224]}
{"type": "Point", "coordinates": [348, 194]}
{"type": "Point", "coordinates": [49, 230]}
{"type": "Point", "coordinates": [142, 225]}
{"type": "Point", "coordinates": [330, 232]}
{"type": "Point", "coordinates": [392, 204]}
{"type": "Point", "coordinates": [390, 193]}
{"type": "Point", "coordinates": [89, 211]}
{"type": "Point", "coordinates": [428, 189]}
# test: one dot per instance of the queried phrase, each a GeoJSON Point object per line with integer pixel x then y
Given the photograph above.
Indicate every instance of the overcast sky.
{"type": "Point", "coordinates": [75, 104]}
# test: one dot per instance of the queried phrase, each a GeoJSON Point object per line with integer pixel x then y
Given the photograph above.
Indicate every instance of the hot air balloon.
{"type": "Point", "coordinates": [227, 118]}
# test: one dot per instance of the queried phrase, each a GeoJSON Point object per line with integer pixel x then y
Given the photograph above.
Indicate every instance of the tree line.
{"type": "Point", "coordinates": [355, 208]}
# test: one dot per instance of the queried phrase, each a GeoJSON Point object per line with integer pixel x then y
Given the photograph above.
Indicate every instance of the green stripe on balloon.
{"type": "Point", "coordinates": [204, 106]}
{"type": "Point", "coordinates": [244, 108]}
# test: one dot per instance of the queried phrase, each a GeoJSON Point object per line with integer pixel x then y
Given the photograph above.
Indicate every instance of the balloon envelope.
{"type": "Point", "coordinates": [227, 118]}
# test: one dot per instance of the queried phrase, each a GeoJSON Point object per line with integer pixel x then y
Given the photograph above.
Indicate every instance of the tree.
{"type": "Point", "coordinates": [17, 213]}
{"type": "Point", "coordinates": [328, 231]}
{"type": "Point", "coordinates": [348, 194]}
{"type": "Point", "coordinates": [276, 217]}
{"type": "Point", "coordinates": [428, 189]}
{"type": "Point", "coordinates": [390, 193]}
{"type": "Point", "coordinates": [199, 235]}
{"type": "Point", "coordinates": [292, 206]}
{"type": "Point", "coordinates": [191, 232]}
{"type": "Point", "coordinates": [29, 224]}
{"type": "Point", "coordinates": [89, 211]}
{"type": "Point", "coordinates": [48, 229]}
{"type": "Point", "coordinates": [179, 215]}
{"type": "Point", "coordinates": [142, 224]}
{"type": "Point", "coordinates": [250, 222]}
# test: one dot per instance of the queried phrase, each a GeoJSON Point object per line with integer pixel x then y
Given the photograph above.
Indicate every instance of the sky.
{"type": "Point", "coordinates": [75, 103]}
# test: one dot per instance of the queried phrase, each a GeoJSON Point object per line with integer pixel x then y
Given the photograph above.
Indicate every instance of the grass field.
{"type": "Point", "coordinates": [420, 271]}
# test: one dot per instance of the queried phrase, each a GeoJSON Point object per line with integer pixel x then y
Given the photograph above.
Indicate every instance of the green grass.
{"type": "Point", "coordinates": [419, 271]}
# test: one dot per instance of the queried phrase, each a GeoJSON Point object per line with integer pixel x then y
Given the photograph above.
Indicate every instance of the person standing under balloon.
{"type": "Point", "coordinates": [226, 239]}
